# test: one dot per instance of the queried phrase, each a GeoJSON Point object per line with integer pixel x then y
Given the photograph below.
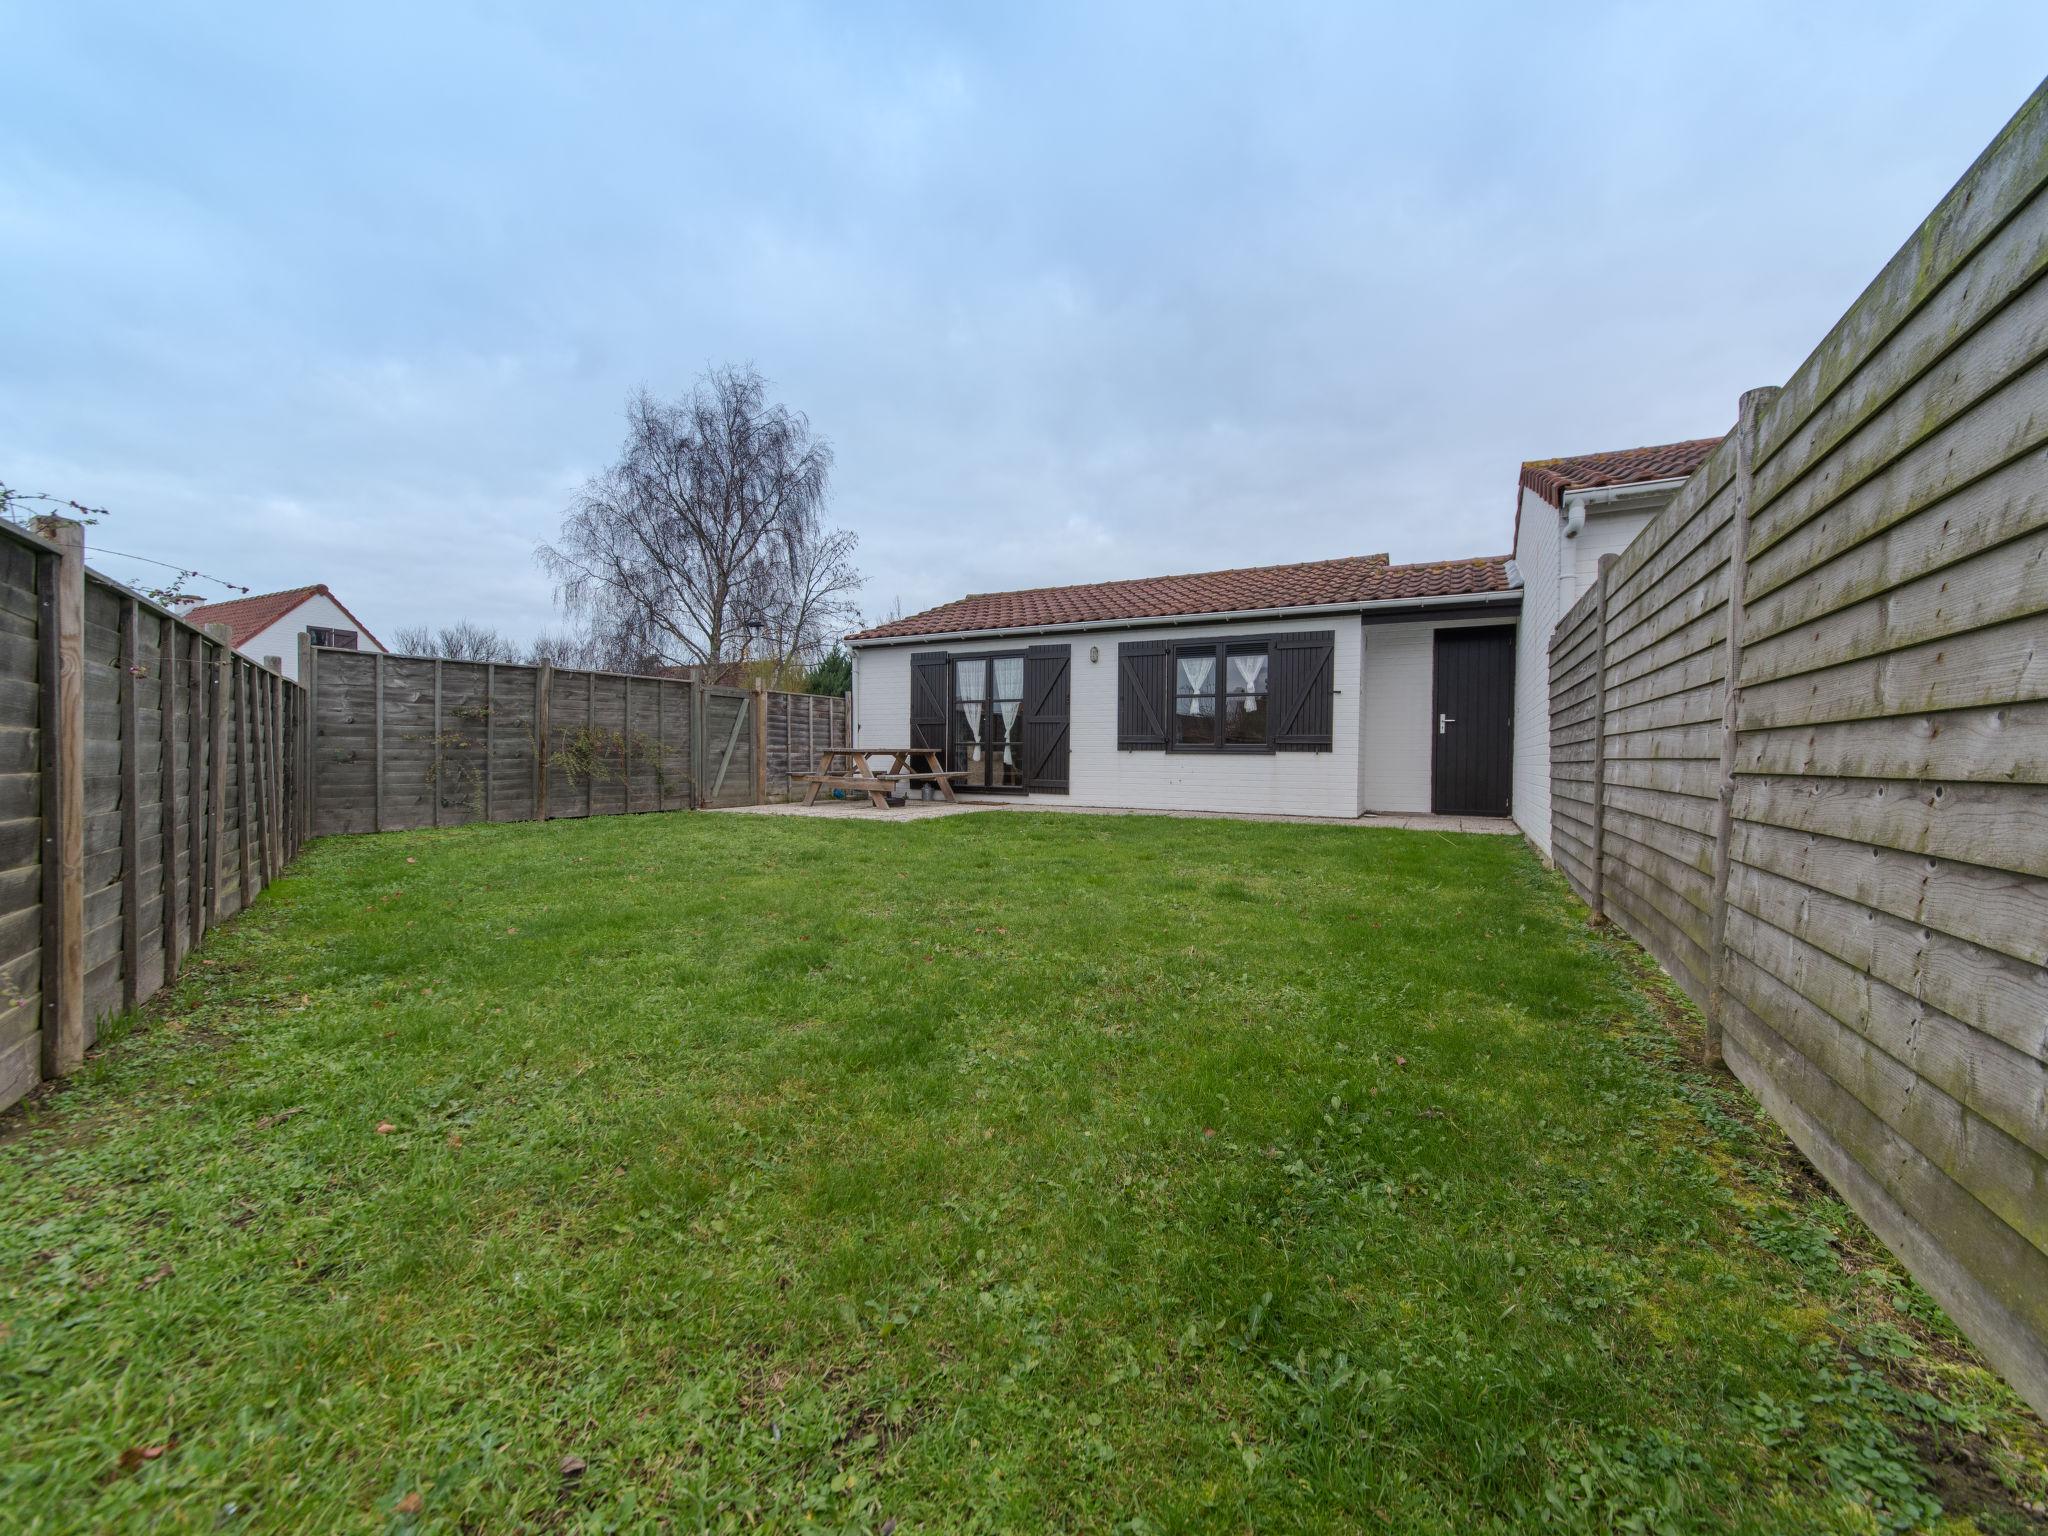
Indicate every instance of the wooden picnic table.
{"type": "Point", "coordinates": [851, 769]}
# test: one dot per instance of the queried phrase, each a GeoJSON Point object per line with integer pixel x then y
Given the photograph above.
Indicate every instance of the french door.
{"type": "Point", "coordinates": [986, 741]}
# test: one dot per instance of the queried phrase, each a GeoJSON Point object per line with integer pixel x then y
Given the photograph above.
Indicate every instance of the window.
{"type": "Point", "coordinates": [343, 639]}
{"type": "Point", "coordinates": [1237, 693]}
{"type": "Point", "coordinates": [1244, 697]}
{"type": "Point", "coordinates": [1194, 699]}
{"type": "Point", "coordinates": [1219, 695]}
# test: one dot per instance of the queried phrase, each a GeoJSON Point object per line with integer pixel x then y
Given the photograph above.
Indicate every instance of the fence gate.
{"type": "Point", "coordinates": [724, 746]}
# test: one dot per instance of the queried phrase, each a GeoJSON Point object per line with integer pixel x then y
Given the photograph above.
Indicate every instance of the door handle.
{"type": "Point", "coordinates": [1442, 721]}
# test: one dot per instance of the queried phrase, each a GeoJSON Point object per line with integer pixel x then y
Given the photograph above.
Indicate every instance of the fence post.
{"type": "Point", "coordinates": [309, 679]}
{"type": "Point", "coordinates": [760, 741]}
{"type": "Point", "coordinates": [1751, 409]}
{"type": "Point", "coordinates": [543, 690]}
{"type": "Point", "coordinates": [61, 590]}
{"type": "Point", "coordinates": [1598, 875]}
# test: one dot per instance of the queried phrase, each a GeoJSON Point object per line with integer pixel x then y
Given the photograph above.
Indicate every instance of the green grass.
{"type": "Point", "coordinates": [993, 1173]}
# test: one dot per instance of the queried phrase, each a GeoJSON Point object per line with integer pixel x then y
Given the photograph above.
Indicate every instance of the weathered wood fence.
{"type": "Point", "coordinates": [152, 781]}
{"type": "Point", "coordinates": [148, 789]}
{"type": "Point", "coordinates": [420, 741]}
{"type": "Point", "coordinates": [1800, 751]}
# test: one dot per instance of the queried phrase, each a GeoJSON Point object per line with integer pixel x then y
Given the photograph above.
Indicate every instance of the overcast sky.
{"type": "Point", "coordinates": [358, 296]}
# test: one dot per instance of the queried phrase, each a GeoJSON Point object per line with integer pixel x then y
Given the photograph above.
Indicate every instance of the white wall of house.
{"type": "Point", "coordinates": [1556, 572]}
{"type": "Point", "coordinates": [1292, 783]}
{"type": "Point", "coordinates": [1537, 556]}
{"type": "Point", "coordinates": [1396, 760]}
{"type": "Point", "coordinates": [282, 638]}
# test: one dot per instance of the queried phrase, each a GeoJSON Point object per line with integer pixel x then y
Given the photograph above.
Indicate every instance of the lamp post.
{"type": "Point", "coordinates": [750, 631]}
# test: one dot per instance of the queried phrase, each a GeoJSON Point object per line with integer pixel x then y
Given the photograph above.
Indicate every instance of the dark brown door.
{"type": "Point", "coordinates": [1474, 724]}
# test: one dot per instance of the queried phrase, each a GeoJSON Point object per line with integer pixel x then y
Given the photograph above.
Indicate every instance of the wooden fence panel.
{"type": "Point", "coordinates": [136, 781]}
{"type": "Point", "coordinates": [345, 741]}
{"type": "Point", "coordinates": [726, 761]}
{"type": "Point", "coordinates": [675, 744]}
{"type": "Point", "coordinates": [442, 743]}
{"type": "Point", "coordinates": [21, 826]}
{"type": "Point", "coordinates": [513, 732]}
{"type": "Point", "coordinates": [1842, 850]}
{"type": "Point", "coordinates": [461, 758]}
{"type": "Point", "coordinates": [798, 726]}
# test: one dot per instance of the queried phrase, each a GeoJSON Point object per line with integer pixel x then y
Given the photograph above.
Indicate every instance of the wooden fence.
{"type": "Point", "coordinates": [148, 789]}
{"type": "Point", "coordinates": [152, 781]}
{"type": "Point", "coordinates": [410, 741]}
{"type": "Point", "coordinates": [1800, 743]}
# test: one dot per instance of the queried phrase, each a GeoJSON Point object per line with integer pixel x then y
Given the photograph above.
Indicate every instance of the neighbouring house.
{"type": "Point", "coordinates": [1332, 688]}
{"type": "Point", "coordinates": [1570, 512]}
{"type": "Point", "coordinates": [1320, 689]}
{"type": "Point", "coordinates": [270, 623]}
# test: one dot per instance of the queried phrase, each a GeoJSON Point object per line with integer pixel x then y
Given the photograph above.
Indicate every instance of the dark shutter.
{"type": "Point", "coordinates": [1144, 695]}
{"type": "Point", "coordinates": [930, 693]}
{"type": "Point", "coordinates": [1301, 690]}
{"type": "Point", "coordinates": [1047, 692]}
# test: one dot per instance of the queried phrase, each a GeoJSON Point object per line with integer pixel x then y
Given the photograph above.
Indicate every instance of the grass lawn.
{"type": "Point", "coordinates": [1003, 1172]}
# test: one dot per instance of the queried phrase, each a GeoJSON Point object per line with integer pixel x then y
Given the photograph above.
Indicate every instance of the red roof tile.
{"type": "Point", "coordinates": [1314, 583]}
{"type": "Point", "coordinates": [1551, 478]}
{"type": "Point", "coordinates": [248, 617]}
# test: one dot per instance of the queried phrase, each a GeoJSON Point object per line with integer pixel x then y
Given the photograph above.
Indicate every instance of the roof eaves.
{"type": "Point", "coordinates": [1510, 597]}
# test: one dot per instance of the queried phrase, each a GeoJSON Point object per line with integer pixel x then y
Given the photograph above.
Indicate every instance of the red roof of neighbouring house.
{"type": "Point", "coordinates": [248, 617]}
{"type": "Point", "coordinates": [1315, 583]}
{"type": "Point", "coordinates": [1551, 478]}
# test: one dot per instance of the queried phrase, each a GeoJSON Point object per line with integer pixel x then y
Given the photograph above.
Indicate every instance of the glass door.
{"type": "Point", "coordinates": [985, 739]}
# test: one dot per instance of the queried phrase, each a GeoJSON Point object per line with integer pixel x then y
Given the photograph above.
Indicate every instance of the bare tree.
{"type": "Point", "coordinates": [707, 531]}
{"type": "Point", "coordinates": [460, 641]}
{"type": "Point", "coordinates": [803, 589]}
{"type": "Point", "coordinates": [587, 650]}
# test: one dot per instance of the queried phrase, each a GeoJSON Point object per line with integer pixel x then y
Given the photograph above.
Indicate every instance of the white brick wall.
{"type": "Point", "coordinates": [1556, 571]}
{"type": "Point", "coordinates": [1536, 554]}
{"type": "Point", "coordinates": [1293, 783]}
{"type": "Point", "coordinates": [1396, 760]}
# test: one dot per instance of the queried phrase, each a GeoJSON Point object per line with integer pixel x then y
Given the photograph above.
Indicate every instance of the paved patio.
{"type": "Point", "coordinates": [922, 810]}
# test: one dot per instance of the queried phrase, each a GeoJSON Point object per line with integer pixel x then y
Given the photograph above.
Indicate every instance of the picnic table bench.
{"type": "Point", "coordinates": [850, 769]}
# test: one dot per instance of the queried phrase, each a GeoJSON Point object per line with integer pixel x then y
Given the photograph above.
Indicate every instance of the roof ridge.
{"type": "Point", "coordinates": [1351, 581]}
{"type": "Point", "coordinates": [1622, 453]}
{"type": "Point", "coordinates": [1379, 559]}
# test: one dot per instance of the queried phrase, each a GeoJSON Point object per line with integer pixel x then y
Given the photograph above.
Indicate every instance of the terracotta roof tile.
{"type": "Point", "coordinates": [1314, 583]}
{"type": "Point", "coordinates": [1551, 478]}
{"type": "Point", "coordinates": [248, 617]}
